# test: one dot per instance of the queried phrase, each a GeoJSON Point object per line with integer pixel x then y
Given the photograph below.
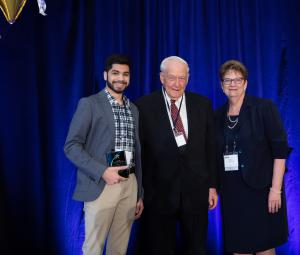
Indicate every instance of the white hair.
{"type": "Point", "coordinates": [163, 64]}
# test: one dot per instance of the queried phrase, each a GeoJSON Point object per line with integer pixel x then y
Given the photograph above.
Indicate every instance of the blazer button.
{"type": "Point", "coordinates": [242, 166]}
{"type": "Point", "coordinates": [240, 151]}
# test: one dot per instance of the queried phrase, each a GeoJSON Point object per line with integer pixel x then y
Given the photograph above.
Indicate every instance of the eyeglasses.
{"type": "Point", "coordinates": [237, 81]}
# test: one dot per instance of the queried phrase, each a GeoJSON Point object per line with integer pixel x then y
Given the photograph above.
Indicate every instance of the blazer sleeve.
{"type": "Point", "coordinates": [275, 131]}
{"type": "Point", "coordinates": [211, 147]}
{"type": "Point", "coordinates": [74, 147]}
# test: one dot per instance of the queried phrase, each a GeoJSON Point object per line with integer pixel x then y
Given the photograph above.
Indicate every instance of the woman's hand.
{"type": "Point", "coordinates": [274, 201]}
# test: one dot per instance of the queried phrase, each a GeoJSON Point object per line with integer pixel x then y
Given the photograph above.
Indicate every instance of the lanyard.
{"type": "Point", "coordinates": [227, 141]}
{"type": "Point", "coordinates": [226, 146]}
{"type": "Point", "coordinates": [169, 109]}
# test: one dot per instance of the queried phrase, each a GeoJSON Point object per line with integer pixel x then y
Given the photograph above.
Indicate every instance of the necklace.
{"type": "Point", "coordinates": [234, 122]}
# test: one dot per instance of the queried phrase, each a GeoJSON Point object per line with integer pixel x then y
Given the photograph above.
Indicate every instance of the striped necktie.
{"type": "Point", "coordinates": [177, 119]}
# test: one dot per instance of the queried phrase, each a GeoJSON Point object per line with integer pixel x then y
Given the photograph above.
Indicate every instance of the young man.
{"type": "Point", "coordinates": [103, 124]}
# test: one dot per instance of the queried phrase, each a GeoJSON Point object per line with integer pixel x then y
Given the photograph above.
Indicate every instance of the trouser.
{"type": "Point", "coordinates": [110, 217]}
{"type": "Point", "coordinates": [160, 233]}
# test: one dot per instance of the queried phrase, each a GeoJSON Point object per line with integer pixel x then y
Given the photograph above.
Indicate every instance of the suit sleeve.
{"type": "Point", "coordinates": [211, 147]}
{"type": "Point", "coordinates": [275, 131]}
{"type": "Point", "coordinates": [74, 147]}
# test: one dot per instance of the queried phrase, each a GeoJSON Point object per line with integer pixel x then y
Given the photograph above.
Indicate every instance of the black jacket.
{"type": "Point", "coordinates": [261, 139]}
{"type": "Point", "coordinates": [172, 178]}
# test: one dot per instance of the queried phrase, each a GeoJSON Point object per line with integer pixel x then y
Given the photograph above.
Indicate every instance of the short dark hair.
{"type": "Point", "coordinates": [233, 65]}
{"type": "Point", "coordinates": [116, 59]}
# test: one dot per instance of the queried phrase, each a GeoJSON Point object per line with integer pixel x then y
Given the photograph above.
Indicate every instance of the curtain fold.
{"type": "Point", "coordinates": [48, 63]}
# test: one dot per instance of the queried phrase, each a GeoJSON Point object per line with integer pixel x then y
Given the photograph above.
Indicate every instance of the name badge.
{"type": "Point", "coordinates": [180, 140]}
{"type": "Point", "coordinates": [231, 162]}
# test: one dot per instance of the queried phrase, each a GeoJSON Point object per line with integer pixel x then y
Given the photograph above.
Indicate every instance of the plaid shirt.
{"type": "Point", "coordinates": [124, 124]}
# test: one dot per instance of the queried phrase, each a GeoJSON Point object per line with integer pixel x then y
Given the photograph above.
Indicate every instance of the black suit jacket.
{"type": "Point", "coordinates": [172, 178]}
{"type": "Point", "coordinates": [261, 138]}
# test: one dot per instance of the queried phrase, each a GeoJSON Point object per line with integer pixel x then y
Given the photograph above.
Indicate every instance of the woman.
{"type": "Point", "coordinates": [252, 153]}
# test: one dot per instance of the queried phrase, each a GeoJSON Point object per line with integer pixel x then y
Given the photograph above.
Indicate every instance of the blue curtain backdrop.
{"type": "Point", "coordinates": [48, 63]}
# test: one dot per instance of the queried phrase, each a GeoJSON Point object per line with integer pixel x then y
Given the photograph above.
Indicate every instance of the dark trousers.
{"type": "Point", "coordinates": [175, 233]}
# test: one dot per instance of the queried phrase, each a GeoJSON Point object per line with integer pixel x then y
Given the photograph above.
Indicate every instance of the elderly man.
{"type": "Point", "coordinates": [178, 161]}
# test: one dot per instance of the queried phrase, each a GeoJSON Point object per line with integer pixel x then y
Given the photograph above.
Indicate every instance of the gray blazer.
{"type": "Point", "coordinates": [91, 135]}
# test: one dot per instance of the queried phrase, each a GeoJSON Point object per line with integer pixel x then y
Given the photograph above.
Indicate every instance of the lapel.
{"type": "Point", "coordinates": [245, 113]}
{"type": "Point", "coordinates": [107, 112]}
{"type": "Point", "coordinates": [135, 118]}
{"type": "Point", "coordinates": [248, 118]}
{"type": "Point", "coordinates": [190, 114]}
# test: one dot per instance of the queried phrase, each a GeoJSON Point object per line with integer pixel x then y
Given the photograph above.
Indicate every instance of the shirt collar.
{"type": "Point", "coordinates": [166, 96]}
{"type": "Point", "coordinates": [113, 101]}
